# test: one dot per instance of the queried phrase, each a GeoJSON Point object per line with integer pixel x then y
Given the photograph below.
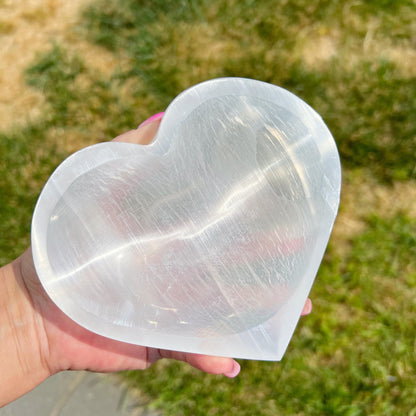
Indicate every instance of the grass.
{"type": "Point", "coordinates": [175, 46]}
{"type": "Point", "coordinates": [354, 63]}
{"type": "Point", "coordinates": [340, 359]}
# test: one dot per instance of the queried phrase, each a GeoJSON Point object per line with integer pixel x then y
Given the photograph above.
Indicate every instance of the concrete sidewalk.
{"type": "Point", "coordinates": [77, 393]}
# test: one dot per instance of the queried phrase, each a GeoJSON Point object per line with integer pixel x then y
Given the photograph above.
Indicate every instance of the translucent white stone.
{"type": "Point", "coordinates": [207, 240]}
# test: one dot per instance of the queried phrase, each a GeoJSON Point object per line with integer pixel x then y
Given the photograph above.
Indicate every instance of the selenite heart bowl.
{"type": "Point", "coordinates": [207, 240]}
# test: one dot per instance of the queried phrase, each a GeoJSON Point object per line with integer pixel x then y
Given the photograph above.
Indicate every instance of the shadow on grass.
{"type": "Point", "coordinates": [355, 354]}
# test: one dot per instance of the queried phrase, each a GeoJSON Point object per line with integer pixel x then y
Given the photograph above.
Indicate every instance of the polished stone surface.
{"type": "Point", "coordinates": [209, 239]}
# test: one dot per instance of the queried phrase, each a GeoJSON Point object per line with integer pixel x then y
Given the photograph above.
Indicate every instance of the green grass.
{"type": "Point", "coordinates": [368, 106]}
{"type": "Point", "coordinates": [355, 354]}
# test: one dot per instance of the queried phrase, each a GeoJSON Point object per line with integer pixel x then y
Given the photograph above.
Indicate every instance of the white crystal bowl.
{"type": "Point", "coordinates": [207, 240]}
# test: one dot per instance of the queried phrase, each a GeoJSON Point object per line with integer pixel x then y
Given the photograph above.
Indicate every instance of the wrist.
{"type": "Point", "coordinates": [23, 350]}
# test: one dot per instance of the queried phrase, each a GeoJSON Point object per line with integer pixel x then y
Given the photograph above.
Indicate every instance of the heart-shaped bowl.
{"type": "Point", "coordinates": [207, 240]}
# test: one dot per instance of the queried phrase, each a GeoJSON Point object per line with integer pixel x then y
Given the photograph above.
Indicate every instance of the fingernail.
{"type": "Point", "coordinates": [235, 371]}
{"type": "Point", "coordinates": [308, 307]}
{"type": "Point", "coordinates": [155, 117]}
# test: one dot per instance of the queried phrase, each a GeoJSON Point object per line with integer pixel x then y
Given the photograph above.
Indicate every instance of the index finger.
{"type": "Point", "coordinates": [144, 134]}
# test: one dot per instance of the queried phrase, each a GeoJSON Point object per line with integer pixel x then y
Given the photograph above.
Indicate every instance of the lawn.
{"type": "Point", "coordinates": [109, 65]}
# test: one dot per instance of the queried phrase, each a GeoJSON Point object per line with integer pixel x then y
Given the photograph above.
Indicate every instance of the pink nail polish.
{"type": "Point", "coordinates": [308, 307]}
{"type": "Point", "coordinates": [235, 371]}
{"type": "Point", "coordinates": [155, 117]}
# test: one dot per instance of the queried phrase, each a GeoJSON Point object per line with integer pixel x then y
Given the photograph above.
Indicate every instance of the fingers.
{"type": "Point", "coordinates": [209, 364]}
{"type": "Point", "coordinates": [307, 309]}
{"type": "Point", "coordinates": [155, 117]}
{"type": "Point", "coordinates": [144, 134]}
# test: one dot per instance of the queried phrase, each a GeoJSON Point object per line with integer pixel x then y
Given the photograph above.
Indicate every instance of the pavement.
{"type": "Point", "coordinates": [78, 393]}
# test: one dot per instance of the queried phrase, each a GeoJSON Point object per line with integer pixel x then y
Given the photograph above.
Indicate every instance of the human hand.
{"type": "Point", "coordinates": [67, 346]}
{"type": "Point", "coordinates": [52, 342]}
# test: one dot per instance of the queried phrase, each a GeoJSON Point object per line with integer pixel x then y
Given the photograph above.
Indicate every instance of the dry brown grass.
{"type": "Point", "coordinates": [33, 24]}
{"type": "Point", "coordinates": [318, 43]}
{"type": "Point", "coordinates": [27, 28]}
{"type": "Point", "coordinates": [361, 197]}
